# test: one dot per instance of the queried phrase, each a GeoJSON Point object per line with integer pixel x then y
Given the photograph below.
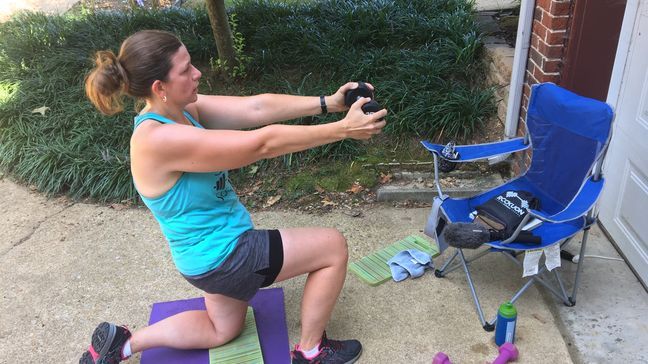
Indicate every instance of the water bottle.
{"type": "Point", "coordinates": [505, 326]}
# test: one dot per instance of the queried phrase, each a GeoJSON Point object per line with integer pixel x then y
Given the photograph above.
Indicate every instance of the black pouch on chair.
{"type": "Point", "coordinates": [505, 211]}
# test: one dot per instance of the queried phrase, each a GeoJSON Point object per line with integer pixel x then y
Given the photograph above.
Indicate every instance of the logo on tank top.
{"type": "Point", "coordinates": [219, 187]}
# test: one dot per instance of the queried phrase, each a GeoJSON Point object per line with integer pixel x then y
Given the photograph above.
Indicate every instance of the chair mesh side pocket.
{"type": "Point", "coordinates": [435, 224]}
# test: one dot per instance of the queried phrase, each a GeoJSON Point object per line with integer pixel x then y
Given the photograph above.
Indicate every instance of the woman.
{"type": "Point", "coordinates": [182, 145]}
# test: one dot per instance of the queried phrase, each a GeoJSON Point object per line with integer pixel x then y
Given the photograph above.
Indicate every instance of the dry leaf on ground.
{"type": "Point", "coordinates": [353, 213]}
{"type": "Point", "coordinates": [40, 110]}
{"type": "Point", "coordinates": [385, 178]}
{"type": "Point", "coordinates": [355, 188]}
{"type": "Point", "coordinates": [118, 206]}
{"type": "Point", "coordinates": [272, 200]}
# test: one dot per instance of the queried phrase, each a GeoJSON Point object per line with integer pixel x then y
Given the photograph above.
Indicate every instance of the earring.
{"type": "Point", "coordinates": [164, 98]}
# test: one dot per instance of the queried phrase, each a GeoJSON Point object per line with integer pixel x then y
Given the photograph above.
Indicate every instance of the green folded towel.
{"type": "Point", "coordinates": [373, 269]}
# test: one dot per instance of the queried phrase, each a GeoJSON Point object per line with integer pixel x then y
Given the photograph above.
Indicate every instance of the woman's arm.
{"type": "Point", "coordinates": [174, 147]}
{"type": "Point", "coordinates": [240, 112]}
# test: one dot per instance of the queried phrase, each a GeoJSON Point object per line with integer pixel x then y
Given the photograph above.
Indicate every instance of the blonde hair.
{"type": "Point", "coordinates": [143, 58]}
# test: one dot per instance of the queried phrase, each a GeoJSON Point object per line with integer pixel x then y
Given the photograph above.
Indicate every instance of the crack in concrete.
{"type": "Point", "coordinates": [34, 229]}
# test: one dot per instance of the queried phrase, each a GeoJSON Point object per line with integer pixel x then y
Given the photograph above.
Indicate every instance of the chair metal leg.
{"type": "Point", "coordinates": [515, 297]}
{"type": "Point", "coordinates": [562, 286]}
{"type": "Point", "coordinates": [445, 270]}
{"type": "Point", "coordinates": [440, 273]}
{"type": "Point", "coordinates": [566, 242]}
{"type": "Point", "coordinates": [486, 325]}
{"type": "Point", "coordinates": [542, 277]}
{"type": "Point", "coordinates": [539, 278]}
{"type": "Point", "coordinates": [519, 293]}
{"type": "Point", "coordinates": [572, 299]}
{"type": "Point", "coordinates": [551, 289]}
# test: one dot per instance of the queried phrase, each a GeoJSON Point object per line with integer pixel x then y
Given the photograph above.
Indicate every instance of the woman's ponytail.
{"type": "Point", "coordinates": [106, 83]}
{"type": "Point", "coordinates": [144, 57]}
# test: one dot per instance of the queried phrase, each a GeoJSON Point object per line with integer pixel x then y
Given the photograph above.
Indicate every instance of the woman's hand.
{"type": "Point", "coordinates": [359, 125]}
{"type": "Point", "coordinates": [335, 102]}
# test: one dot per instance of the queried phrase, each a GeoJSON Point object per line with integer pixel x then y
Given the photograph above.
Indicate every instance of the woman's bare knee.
{"type": "Point", "coordinates": [227, 316]}
{"type": "Point", "coordinates": [224, 333]}
{"type": "Point", "coordinates": [223, 337]}
{"type": "Point", "coordinates": [339, 247]}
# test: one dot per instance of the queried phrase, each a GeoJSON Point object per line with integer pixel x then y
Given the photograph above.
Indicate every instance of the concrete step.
{"type": "Point", "coordinates": [420, 186]}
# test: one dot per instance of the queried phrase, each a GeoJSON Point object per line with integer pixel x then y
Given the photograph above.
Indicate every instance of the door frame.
{"type": "Point", "coordinates": [616, 87]}
{"type": "Point", "coordinates": [589, 56]}
{"type": "Point", "coordinates": [623, 49]}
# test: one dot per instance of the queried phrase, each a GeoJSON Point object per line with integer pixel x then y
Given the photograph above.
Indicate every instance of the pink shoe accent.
{"type": "Point", "coordinates": [297, 348]}
{"type": "Point", "coordinates": [94, 354]}
{"type": "Point", "coordinates": [312, 357]}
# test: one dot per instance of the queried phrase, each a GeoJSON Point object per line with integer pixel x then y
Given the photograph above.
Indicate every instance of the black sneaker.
{"type": "Point", "coordinates": [331, 352]}
{"type": "Point", "coordinates": [107, 344]}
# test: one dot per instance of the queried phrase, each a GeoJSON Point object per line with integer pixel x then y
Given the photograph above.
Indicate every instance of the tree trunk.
{"type": "Point", "coordinates": [222, 32]}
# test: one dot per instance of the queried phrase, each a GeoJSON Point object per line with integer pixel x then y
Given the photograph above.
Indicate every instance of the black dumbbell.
{"type": "Point", "coordinates": [371, 107]}
{"type": "Point", "coordinates": [361, 91]}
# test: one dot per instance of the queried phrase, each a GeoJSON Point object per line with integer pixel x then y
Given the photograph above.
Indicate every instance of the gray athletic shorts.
{"type": "Point", "coordinates": [255, 262]}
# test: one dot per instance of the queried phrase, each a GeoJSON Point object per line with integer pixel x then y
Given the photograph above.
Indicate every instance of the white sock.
{"type": "Point", "coordinates": [126, 351]}
{"type": "Point", "coordinates": [310, 354]}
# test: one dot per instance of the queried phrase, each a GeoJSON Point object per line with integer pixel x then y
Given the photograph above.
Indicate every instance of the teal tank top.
{"type": "Point", "coordinates": [200, 216]}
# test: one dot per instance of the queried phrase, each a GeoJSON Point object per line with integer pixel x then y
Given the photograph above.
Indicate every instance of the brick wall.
{"type": "Point", "coordinates": [551, 20]}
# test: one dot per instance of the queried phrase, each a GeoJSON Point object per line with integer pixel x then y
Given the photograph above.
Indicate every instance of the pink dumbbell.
{"type": "Point", "coordinates": [507, 352]}
{"type": "Point", "coordinates": [441, 358]}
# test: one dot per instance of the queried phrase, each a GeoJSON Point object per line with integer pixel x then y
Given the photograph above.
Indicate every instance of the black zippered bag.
{"type": "Point", "coordinates": [505, 211]}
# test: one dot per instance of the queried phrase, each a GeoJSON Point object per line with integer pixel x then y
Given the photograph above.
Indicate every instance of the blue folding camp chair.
{"type": "Point", "coordinates": [568, 135]}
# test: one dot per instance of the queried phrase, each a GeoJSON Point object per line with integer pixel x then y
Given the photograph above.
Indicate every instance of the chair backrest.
{"type": "Point", "coordinates": [568, 134]}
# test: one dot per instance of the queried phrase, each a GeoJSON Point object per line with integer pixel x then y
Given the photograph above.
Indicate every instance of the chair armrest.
{"type": "Point", "coordinates": [579, 206]}
{"type": "Point", "coordinates": [469, 153]}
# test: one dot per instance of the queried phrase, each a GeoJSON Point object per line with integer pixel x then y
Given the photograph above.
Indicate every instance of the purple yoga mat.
{"type": "Point", "coordinates": [270, 316]}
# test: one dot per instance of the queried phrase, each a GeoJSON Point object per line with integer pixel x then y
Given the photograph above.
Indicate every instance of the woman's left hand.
{"type": "Point", "coordinates": [335, 102]}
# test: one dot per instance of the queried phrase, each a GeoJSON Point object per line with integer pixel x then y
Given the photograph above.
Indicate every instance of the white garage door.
{"type": "Point", "coordinates": [624, 204]}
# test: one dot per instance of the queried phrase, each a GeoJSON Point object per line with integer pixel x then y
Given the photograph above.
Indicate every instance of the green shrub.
{"type": "Point", "coordinates": [423, 57]}
{"type": "Point", "coordinates": [43, 62]}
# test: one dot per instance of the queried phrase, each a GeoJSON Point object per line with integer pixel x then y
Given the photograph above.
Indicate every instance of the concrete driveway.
{"type": "Point", "coordinates": [66, 266]}
{"type": "Point", "coordinates": [8, 7]}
